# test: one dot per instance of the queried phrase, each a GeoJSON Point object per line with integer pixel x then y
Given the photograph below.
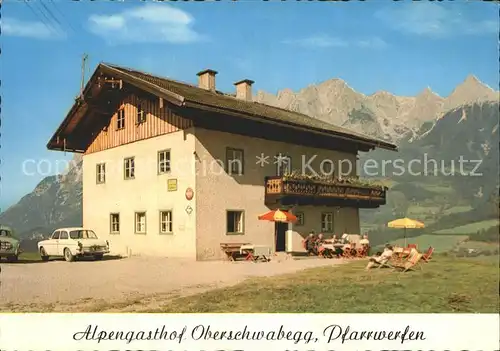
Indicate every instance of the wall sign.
{"type": "Point", "coordinates": [189, 194]}
{"type": "Point", "coordinates": [172, 184]}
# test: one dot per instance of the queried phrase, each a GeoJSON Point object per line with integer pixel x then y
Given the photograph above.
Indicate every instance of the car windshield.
{"type": "Point", "coordinates": [4, 233]}
{"type": "Point", "coordinates": [82, 234]}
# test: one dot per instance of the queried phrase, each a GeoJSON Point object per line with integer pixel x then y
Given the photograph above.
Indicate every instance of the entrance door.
{"type": "Point", "coordinates": [280, 236]}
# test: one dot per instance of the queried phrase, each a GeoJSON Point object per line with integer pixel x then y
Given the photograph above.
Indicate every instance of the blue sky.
{"type": "Point", "coordinates": [397, 47]}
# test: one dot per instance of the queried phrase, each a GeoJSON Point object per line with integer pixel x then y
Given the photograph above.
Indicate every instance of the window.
{"type": "Point", "coordinates": [163, 161]}
{"type": "Point", "coordinates": [234, 222]}
{"type": "Point", "coordinates": [327, 222]}
{"type": "Point", "coordinates": [234, 161]}
{"type": "Point", "coordinates": [101, 173]}
{"type": "Point", "coordinates": [120, 119]}
{"type": "Point", "coordinates": [140, 222]}
{"type": "Point", "coordinates": [64, 235]}
{"type": "Point", "coordinates": [141, 115]}
{"type": "Point", "coordinates": [283, 164]}
{"type": "Point", "coordinates": [300, 218]}
{"type": "Point", "coordinates": [166, 224]}
{"type": "Point", "coordinates": [82, 234]}
{"type": "Point", "coordinates": [114, 223]}
{"type": "Point", "coordinates": [129, 168]}
{"type": "Point", "coordinates": [55, 235]}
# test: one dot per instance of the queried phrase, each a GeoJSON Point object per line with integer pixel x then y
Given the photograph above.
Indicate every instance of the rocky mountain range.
{"type": "Point", "coordinates": [382, 114]}
{"type": "Point", "coordinates": [464, 123]}
{"type": "Point", "coordinates": [56, 201]}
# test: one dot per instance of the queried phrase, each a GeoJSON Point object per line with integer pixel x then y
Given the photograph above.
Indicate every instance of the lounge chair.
{"type": "Point", "coordinates": [377, 261]}
{"type": "Point", "coordinates": [426, 257]}
{"type": "Point", "coordinates": [397, 259]}
{"type": "Point", "coordinates": [412, 261]}
{"type": "Point", "coordinates": [388, 263]}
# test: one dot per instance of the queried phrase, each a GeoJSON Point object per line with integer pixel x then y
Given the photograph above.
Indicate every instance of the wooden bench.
{"type": "Point", "coordinates": [232, 249]}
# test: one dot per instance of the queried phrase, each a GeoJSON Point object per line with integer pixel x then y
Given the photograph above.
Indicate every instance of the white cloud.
{"type": "Point", "coordinates": [148, 23]}
{"type": "Point", "coordinates": [433, 20]}
{"type": "Point", "coordinates": [372, 43]}
{"type": "Point", "coordinates": [317, 41]}
{"type": "Point", "coordinates": [325, 41]}
{"type": "Point", "coordinates": [29, 29]}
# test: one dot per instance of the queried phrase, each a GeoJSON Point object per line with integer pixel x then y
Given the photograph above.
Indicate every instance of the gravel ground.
{"type": "Point", "coordinates": [128, 284]}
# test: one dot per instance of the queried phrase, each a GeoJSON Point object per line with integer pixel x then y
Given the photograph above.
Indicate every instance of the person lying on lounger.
{"type": "Point", "coordinates": [382, 259]}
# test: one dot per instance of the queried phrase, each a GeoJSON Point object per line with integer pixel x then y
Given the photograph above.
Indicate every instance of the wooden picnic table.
{"type": "Point", "coordinates": [232, 249]}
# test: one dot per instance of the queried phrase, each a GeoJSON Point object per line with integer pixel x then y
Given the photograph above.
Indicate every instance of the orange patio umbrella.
{"type": "Point", "coordinates": [278, 216]}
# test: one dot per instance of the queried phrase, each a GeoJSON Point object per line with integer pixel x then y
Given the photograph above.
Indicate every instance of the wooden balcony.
{"type": "Point", "coordinates": [284, 191]}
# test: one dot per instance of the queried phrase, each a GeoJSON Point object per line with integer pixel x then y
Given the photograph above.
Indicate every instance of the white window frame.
{"type": "Point", "coordinates": [233, 154]}
{"type": "Point", "coordinates": [113, 223]}
{"type": "Point", "coordinates": [168, 222]}
{"type": "Point", "coordinates": [100, 173]}
{"type": "Point", "coordinates": [120, 119]}
{"type": "Point", "coordinates": [283, 163]}
{"type": "Point", "coordinates": [327, 226]}
{"type": "Point", "coordinates": [140, 228]}
{"type": "Point", "coordinates": [129, 166]}
{"type": "Point", "coordinates": [165, 163]}
{"type": "Point", "coordinates": [141, 114]}
{"type": "Point", "coordinates": [239, 227]}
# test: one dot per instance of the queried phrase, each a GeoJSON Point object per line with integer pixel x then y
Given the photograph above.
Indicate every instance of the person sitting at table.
{"type": "Point", "coordinates": [364, 241]}
{"type": "Point", "coordinates": [339, 251]}
{"type": "Point", "coordinates": [311, 244]}
{"type": "Point", "coordinates": [365, 244]}
{"type": "Point", "coordinates": [338, 248]}
{"type": "Point", "coordinates": [321, 249]}
{"type": "Point", "coordinates": [344, 239]}
{"type": "Point", "coordinates": [320, 239]}
{"type": "Point", "coordinates": [382, 259]}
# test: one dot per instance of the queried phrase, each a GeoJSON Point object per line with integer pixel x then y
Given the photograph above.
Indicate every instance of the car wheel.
{"type": "Point", "coordinates": [43, 255]}
{"type": "Point", "coordinates": [98, 257]}
{"type": "Point", "coordinates": [68, 256]}
{"type": "Point", "coordinates": [12, 258]}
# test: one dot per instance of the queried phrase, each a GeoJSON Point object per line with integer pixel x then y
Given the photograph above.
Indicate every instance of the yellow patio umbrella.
{"type": "Point", "coordinates": [405, 223]}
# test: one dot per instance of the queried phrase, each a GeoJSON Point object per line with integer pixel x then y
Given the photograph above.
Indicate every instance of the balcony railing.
{"type": "Point", "coordinates": [282, 186]}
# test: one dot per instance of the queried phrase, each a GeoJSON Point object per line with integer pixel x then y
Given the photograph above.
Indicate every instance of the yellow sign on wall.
{"type": "Point", "coordinates": [172, 185]}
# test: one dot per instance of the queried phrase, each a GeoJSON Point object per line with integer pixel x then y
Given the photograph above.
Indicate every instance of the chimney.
{"type": "Point", "coordinates": [206, 79]}
{"type": "Point", "coordinates": [244, 89]}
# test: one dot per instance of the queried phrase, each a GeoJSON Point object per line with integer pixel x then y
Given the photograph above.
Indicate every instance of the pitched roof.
{"type": "Point", "coordinates": [191, 94]}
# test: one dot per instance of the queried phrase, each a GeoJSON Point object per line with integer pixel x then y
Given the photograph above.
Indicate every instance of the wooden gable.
{"type": "Point", "coordinates": [158, 119]}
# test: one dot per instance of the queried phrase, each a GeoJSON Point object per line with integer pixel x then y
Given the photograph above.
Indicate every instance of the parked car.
{"type": "Point", "coordinates": [9, 245]}
{"type": "Point", "coordinates": [72, 243]}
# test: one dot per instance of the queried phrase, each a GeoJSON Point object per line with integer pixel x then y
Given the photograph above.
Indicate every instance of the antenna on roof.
{"type": "Point", "coordinates": [84, 63]}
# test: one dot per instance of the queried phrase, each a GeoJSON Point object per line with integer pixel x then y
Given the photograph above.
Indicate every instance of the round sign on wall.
{"type": "Point", "coordinates": [189, 194]}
